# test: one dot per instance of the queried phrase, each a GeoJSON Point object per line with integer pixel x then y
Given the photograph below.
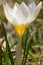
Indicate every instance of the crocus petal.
{"type": "Point", "coordinates": [22, 14]}
{"type": "Point", "coordinates": [7, 14]}
{"type": "Point", "coordinates": [35, 13]}
{"type": "Point", "coordinates": [19, 16]}
{"type": "Point", "coordinates": [16, 5]}
{"type": "Point", "coordinates": [31, 7]}
{"type": "Point", "coordinates": [24, 9]}
{"type": "Point", "coordinates": [8, 6]}
{"type": "Point", "coordinates": [15, 9]}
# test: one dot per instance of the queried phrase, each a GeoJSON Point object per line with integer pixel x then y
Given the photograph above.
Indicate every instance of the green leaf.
{"type": "Point", "coordinates": [7, 45]}
{"type": "Point", "coordinates": [6, 57]}
{"type": "Point", "coordinates": [24, 38]}
{"type": "Point", "coordinates": [1, 57]}
{"type": "Point", "coordinates": [34, 59]}
{"type": "Point", "coordinates": [28, 42]}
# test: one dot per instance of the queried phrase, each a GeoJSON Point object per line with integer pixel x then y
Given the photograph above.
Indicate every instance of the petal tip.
{"type": "Point", "coordinates": [40, 4]}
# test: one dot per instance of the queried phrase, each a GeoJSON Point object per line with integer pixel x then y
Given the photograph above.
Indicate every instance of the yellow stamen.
{"type": "Point", "coordinates": [20, 29]}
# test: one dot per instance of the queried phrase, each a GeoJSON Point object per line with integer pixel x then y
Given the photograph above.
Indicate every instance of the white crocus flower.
{"type": "Point", "coordinates": [22, 14]}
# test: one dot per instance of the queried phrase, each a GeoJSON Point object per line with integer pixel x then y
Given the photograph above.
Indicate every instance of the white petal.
{"type": "Point", "coordinates": [16, 5]}
{"type": "Point", "coordinates": [35, 13]}
{"type": "Point", "coordinates": [9, 9]}
{"type": "Point", "coordinates": [24, 9]}
{"type": "Point", "coordinates": [19, 16]}
{"type": "Point", "coordinates": [8, 6]}
{"type": "Point", "coordinates": [13, 16]}
{"type": "Point", "coordinates": [15, 8]}
{"type": "Point", "coordinates": [31, 6]}
{"type": "Point", "coordinates": [7, 13]}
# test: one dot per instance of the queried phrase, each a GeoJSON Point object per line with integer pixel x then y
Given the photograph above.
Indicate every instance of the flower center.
{"type": "Point", "coordinates": [20, 29]}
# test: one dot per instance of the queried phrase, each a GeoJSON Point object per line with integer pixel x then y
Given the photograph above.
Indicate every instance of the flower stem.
{"type": "Point", "coordinates": [18, 53]}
